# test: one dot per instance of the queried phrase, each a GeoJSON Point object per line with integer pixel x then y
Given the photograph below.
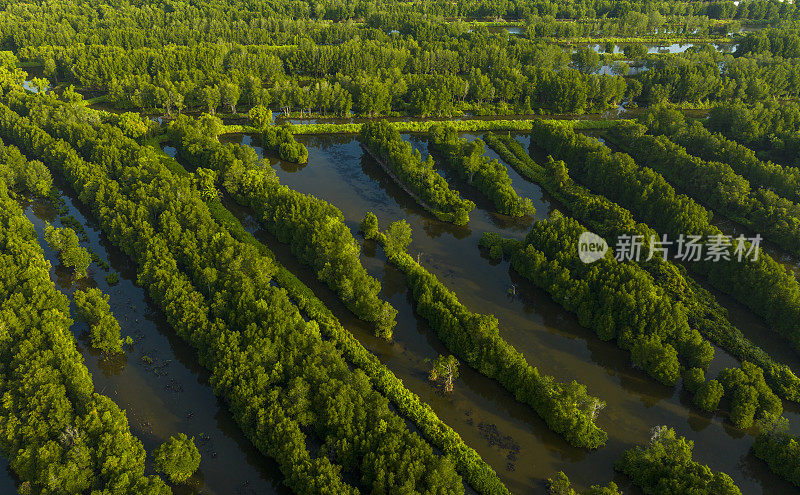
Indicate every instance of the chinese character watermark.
{"type": "Point", "coordinates": [714, 248]}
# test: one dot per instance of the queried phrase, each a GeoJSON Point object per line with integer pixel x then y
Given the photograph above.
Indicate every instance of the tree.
{"type": "Point", "coordinates": [398, 236]}
{"type": "Point", "coordinates": [133, 125]}
{"type": "Point", "coordinates": [665, 467]}
{"type": "Point", "coordinates": [104, 329]}
{"type": "Point", "coordinates": [178, 458]}
{"type": "Point", "coordinates": [634, 51]}
{"type": "Point", "coordinates": [211, 98]}
{"type": "Point", "coordinates": [586, 59]}
{"type": "Point", "coordinates": [210, 125]}
{"type": "Point", "coordinates": [229, 93]}
{"type": "Point", "coordinates": [560, 485]}
{"type": "Point", "coordinates": [50, 69]}
{"type": "Point", "coordinates": [260, 117]}
{"type": "Point", "coordinates": [620, 68]}
{"type": "Point", "coordinates": [65, 242]}
{"type": "Point", "coordinates": [778, 448]}
{"type": "Point", "coordinates": [369, 226]}
{"type": "Point", "coordinates": [693, 379]}
{"type": "Point", "coordinates": [708, 395]}
{"type": "Point", "coordinates": [206, 180]}
{"type": "Point", "coordinates": [40, 85]}
{"type": "Point", "coordinates": [37, 179]}
{"type": "Point", "coordinates": [253, 92]}
{"type": "Point", "coordinates": [70, 95]}
{"type": "Point", "coordinates": [445, 368]}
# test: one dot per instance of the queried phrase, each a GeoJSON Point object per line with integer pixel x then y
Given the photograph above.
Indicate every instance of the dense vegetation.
{"type": "Point", "coordinates": [28, 177]}
{"type": "Point", "coordinates": [279, 140]}
{"type": "Point", "coordinates": [489, 176]}
{"type": "Point", "coordinates": [764, 285]}
{"type": "Point", "coordinates": [314, 228]}
{"type": "Point", "coordinates": [223, 283]}
{"type": "Point", "coordinates": [178, 458]}
{"type": "Point", "coordinates": [567, 408]}
{"type": "Point", "coordinates": [609, 220]}
{"type": "Point", "coordinates": [700, 141]}
{"type": "Point", "coordinates": [104, 330]}
{"type": "Point", "coordinates": [749, 395]}
{"type": "Point", "coordinates": [779, 449]}
{"type": "Point", "coordinates": [105, 84]}
{"type": "Point", "coordinates": [619, 301]}
{"type": "Point", "coordinates": [64, 241]}
{"type": "Point", "coordinates": [714, 184]}
{"type": "Point", "coordinates": [59, 434]}
{"type": "Point", "coordinates": [769, 128]}
{"type": "Point", "coordinates": [419, 178]}
{"type": "Point", "coordinates": [665, 466]}
{"type": "Point", "coordinates": [560, 485]}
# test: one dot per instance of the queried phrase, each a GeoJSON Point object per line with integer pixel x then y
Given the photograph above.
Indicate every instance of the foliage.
{"type": "Point", "coordinates": [416, 176]}
{"type": "Point", "coordinates": [178, 458]}
{"type": "Point", "coordinates": [763, 285]}
{"type": "Point", "coordinates": [445, 368]}
{"type": "Point", "coordinates": [700, 141]}
{"type": "Point", "coordinates": [59, 435]}
{"type": "Point", "coordinates": [560, 485]}
{"type": "Point", "coordinates": [205, 180]}
{"type": "Point", "coordinates": [260, 117]}
{"type": "Point", "coordinates": [314, 228]}
{"type": "Point", "coordinates": [475, 339]}
{"type": "Point", "coordinates": [369, 226]}
{"type": "Point", "coordinates": [19, 174]}
{"type": "Point", "coordinates": [715, 185]}
{"type": "Point", "coordinates": [281, 140]}
{"type": "Point", "coordinates": [705, 75]}
{"type": "Point", "coordinates": [191, 261]}
{"type": "Point", "coordinates": [610, 221]}
{"type": "Point", "coordinates": [779, 449]}
{"type": "Point", "coordinates": [461, 125]}
{"type": "Point", "coordinates": [617, 300]}
{"type": "Point", "coordinates": [104, 329]}
{"type": "Point", "coordinates": [749, 395]}
{"type": "Point", "coordinates": [490, 177]}
{"type": "Point", "coordinates": [468, 463]}
{"type": "Point", "coordinates": [665, 466]}
{"type": "Point", "coordinates": [133, 125]}
{"type": "Point", "coordinates": [693, 378]}
{"type": "Point", "coordinates": [708, 395]}
{"type": "Point", "coordinates": [770, 128]}
{"type": "Point", "coordinates": [370, 75]}
{"type": "Point", "coordinates": [65, 242]}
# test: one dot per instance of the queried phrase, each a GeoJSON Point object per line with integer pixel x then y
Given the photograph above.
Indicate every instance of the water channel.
{"type": "Point", "coordinates": [171, 394]}
{"type": "Point", "coordinates": [159, 381]}
{"type": "Point", "coordinates": [508, 435]}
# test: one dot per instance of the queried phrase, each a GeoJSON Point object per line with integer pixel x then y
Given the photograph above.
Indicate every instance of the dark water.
{"type": "Point", "coordinates": [515, 30]}
{"type": "Point", "coordinates": [732, 228]}
{"type": "Point", "coordinates": [507, 434]}
{"type": "Point", "coordinates": [281, 119]}
{"type": "Point", "coordinates": [7, 478]}
{"type": "Point", "coordinates": [158, 382]}
{"type": "Point", "coordinates": [670, 48]}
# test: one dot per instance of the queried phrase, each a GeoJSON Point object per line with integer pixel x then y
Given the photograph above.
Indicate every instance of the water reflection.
{"type": "Point", "coordinates": [159, 381]}
{"type": "Point", "coordinates": [506, 433]}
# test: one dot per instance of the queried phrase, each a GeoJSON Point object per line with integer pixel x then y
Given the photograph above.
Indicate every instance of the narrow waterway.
{"type": "Point", "coordinates": [730, 227]}
{"type": "Point", "coordinates": [8, 482]}
{"type": "Point", "coordinates": [752, 326]}
{"type": "Point", "coordinates": [507, 434]}
{"type": "Point", "coordinates": [158, 382]}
